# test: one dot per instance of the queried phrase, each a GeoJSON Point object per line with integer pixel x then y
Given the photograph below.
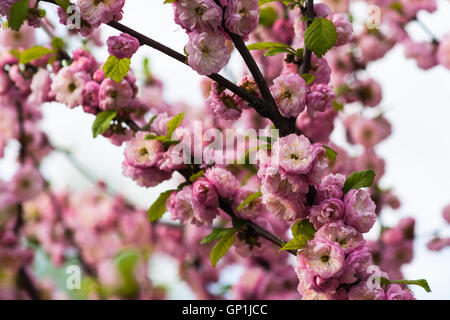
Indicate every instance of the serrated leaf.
{"type": "Point", "coordinates": [57, 44]}
{"type": "Point", "coordinates": [196, 176]}
{"type": "Point", "coordinates": [158, 208]}
{"type": "Point", "coordinates": [170, 1]}
{"type": "Point", "coordinates": [267, 16]}
{"type": "Point", "coordinates": [63, 4]}
{"type": "Point", "coordinates": [330, 154]}
{"type": "Point", "coordinates": [274, 52]}
{"type": "Point", "coordinates": [18, 14]}
{"type": "Point", "coordinates": [263, 2]}
{"type": "Point", "coordinates": [420, 282]}
{"type": "Point", "coordinates": [34, 53]}
{"type": "Point", "coordinates": [173, 124]}
{"type": "Point", "coordinates": [216, 234]}
{"type": "Point", "coordinates": [267, 46]}
{"type": "Point", "coordinates": [320, 36]}
{"type": "Point", "coordinates": [358, 180]}
{"type": "Point", "coordinates": [303, 227]}
{"type": "Point", "coordinates": [116, 69]}
{"type": "Point", "coordinates": [298, 242]}
{"type": "Point", "coordinates": [248, 200]}
{"type": "Point", "coordinates": [222, 247]}
{"type": "Point", "coordinates": [103, 122]}
{"type": "Point", "coordinates": [308, 77]}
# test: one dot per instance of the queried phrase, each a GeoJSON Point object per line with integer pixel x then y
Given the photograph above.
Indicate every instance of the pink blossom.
{"type": "Point", "coordinates": [115, 96]}
{"type": "Point", "coordinates": [205, 194]}
{"type": "Point", "coordinates": [320, 98]}
{"type": "Point", "coordinates": [5, 7]}
{"type": "Point", "coordinates": [289, 91]}
{"type": "Point", "coordinates": [142, 152]}
{"type": "Point", "coordinates": [331, 187]}
{"type": "Point", "coordinates": [338, 5]}
{"type": "Point", "coordinates": [207, 52]}
{"type": "Point", "coordinates": [356, 265]}
{"type": "Point", "coordinates": [345, 236]}
{"type": "Point", "coordinates": [322, 258]}
{"type": "Point", "coordinates": [320, 69]}
{"type": "Point", "coordinates": [223, 104]}
{"type": "Point", "coordinates": [423, 52]}
{"type": "Point", "coordinates": [224, 181]}
{"type": "Point", "coordinates": [283, 208]}
{"type": "Point", "coordinates": [446, 213]}
{"type": "Point", "coordinates": [294, 153]}
{"type": "Point", "coordinates": [68, 86]}
{"type": "Point", "coordinates": [362, 292]}
{"type": "Point", "coordinates": [319, 127]}
{"type": "Point", "coordinates": [396, 292]}
{"type": "Point", "coordinates": [198, 15]}
{"type": "Point", "coordinates": [241, 16]}
{"type": "Point", "coordinates": [344, 29]}
{"type": "Point", "coordinates": [443, 52]}
{"type": "Point", "coordinates": [90, 95]}
{"type": "Point", "coordinates": [123, 46]}
{"type": "Point", "coordinates": [282, 183]}
{"type": "Point", "coordinates": [94, 11]}
{"type": "Point", "coordinates": [145, 177]}
{"type": "Point", "coordinates": [359, 210]}
{"type": "Point", "coordinates": [327, 211]}
{"type": "Point", "coordinates": [26, 184]}
{"type": "Point", "coordinates": [22, 39]}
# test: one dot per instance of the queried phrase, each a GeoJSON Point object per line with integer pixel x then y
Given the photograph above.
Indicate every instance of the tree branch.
{"type": "Point", "coordinates": [306, 63]}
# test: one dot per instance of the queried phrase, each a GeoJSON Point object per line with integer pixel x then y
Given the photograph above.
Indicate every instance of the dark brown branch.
{"type": "Point", "coordinates": [306, 63]}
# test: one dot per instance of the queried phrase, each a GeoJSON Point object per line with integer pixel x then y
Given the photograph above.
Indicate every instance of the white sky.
{"type": "Point", "coordinates": [417, 154]}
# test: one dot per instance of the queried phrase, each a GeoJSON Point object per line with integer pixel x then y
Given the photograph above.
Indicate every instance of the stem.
{"type": "Point", "coordinates": [306, 63]}
{"type": "Point", "coordinates": [428, 31]}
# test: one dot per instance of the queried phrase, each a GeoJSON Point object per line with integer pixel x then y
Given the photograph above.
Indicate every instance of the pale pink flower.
{"type": "Point", "coordinates": [320, 98]}
{"type": "Point", "coordinates": [22, 39]}
{"type": "Point", "coordinates": [362, 292]}
{"type": "Point", "coordinates": [423, 52]}
{"type": "Point", "coordinates": [198, 15]}
{"type": "Point", "coordinates": [345, 236]}
{"type": "Point", "coordinates": [396, 292]}
{"type": "Point", "coordinates": [294, 153]}
{"type": "Point", "coordinates": [122, 46]}
{"type": "Point", "coordinates": [327, 211]}
{"type": "Point", "coordinates": [446, 213]}
{"type": "Point", "coordinates": [142, 152]}
{"type": "Point", "coordinates": [359, 210]}
{"type": "Point", "coordinates": [289, 91]}
{"type": "Point", "coordinates": [443, 52]}
{"type": "Point", "coordinates": [283, 208]}
{"type": "Point", "coordinates": [344, 29]}
{"type": "Point", "coordinates": [207, 52]}
{"type": "Point", "coordinates": [104, 11]}
{"type": "Point", "coordinates": [68, 86]}
{"type": "Point", "coordinates": [26, 184]}
{"type": "Point", "coordinates": [241, 16]}
{"type": "Point", "coordinates": [115, 96]}
{"type": "Point", "coordinates": [224, 181]}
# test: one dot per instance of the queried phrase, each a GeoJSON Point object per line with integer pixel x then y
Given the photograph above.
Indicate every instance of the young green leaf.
{"type": "Point", "coordinates": [338, 106]}
{"type": "Point", "coordinates": [103, 122]}
{"type": "Point", "coordinates": [34, 53]}
{"type": "Point", "coordinates": [274, 52]}
{"type": "Point", "coordinates": [248, 200]}
{"type": "Point", "coordinates": [158, 208]}
{"type": "Point", "coordinates": [303, 227]}
{"type": "Point", "coordinates": [298, 242]}
{"type": "Point", "coordinates": [196, 176]}
{"type": "Point", "coordinates": [173, 124]}
{"type": "Point", "coordinates": [126, 262]}
{"type": "Point", "coordinates": [170, 1]}
{"type": "Point", "coordinates": [63, 4]}
{"type": "Point", "coordinates": [358, 180]}
{"type": "Point", "coordinates": [267, 16]}
{"type": "Point", "coordinates": [116, 69]}
{"type": "Point", "coordinates": [420, 282]}
{"type": "Point", "coordinates": [57, 44]}
{"type": "Point", "coordinates": [216, 234]}
{"type": "Point", "coordinates": [18, 14]}
{"type": "Point", "coordinates": [320, 36]}
{"type": "Point", "coordinates": [330, 154]}
{"type": "Point", "coordinates": [308, 77]}
{"type": "Point", "coordinates": [222, 247]}
{"type": "Point", "coordinates": [267, 46]}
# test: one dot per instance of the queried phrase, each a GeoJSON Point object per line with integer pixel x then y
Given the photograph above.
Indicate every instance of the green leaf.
{"type": "Point", "coordinates": [320, 36]}
{"type": "Point", "coordinates": [197, 175]}
{"type": "Point", "coordinates": [116, 69]}
{"type": "Point", "coordinates": [308, 77]}
{"type": "Point", "coordinates": [263, 2]}
{"type": "Point", "coordinates": [330, 154]}
{"type": "Point", "coordinates": [222, 247]}
{"type": "Point", "coordinates": [126, 262]}
{"type": "Point", "coordinates": [63, 4]}
{"type": "Point", "coordinates": [146, 68]}
{"type": "Point", "coordinates": [420, 282]}
{"type": "Point", "coordinates": [103, 122]}
{"type": "Point", "coordinates": [249, 199]}
{"type": "Point", "coordinates": [338, 106]}
{"type": "Point", "coordinates": [274, 52]}
{"type": "Point", "coordinates": [174, 123]}
{"type": "Point", "coordinates": [170, 1]}
{"type": "Point", "coordinates": [216, 234]}
{"type": "Point", "coordinates": [18, 14]}
{"type": "Point", "coordinates": [358, 180]}
{"type": "Point", "coordinates": [34, 53]}
{"type": "Point", "coordinates": [267, 46]}
{"type": "Point", "coordinates": [303, 227]}
{"type": "Point", "coordinates": [57, 44]}
{"type": "Point", "coordinates": [299, 242]}
{"type": "Point", "coordinates": [158, 208]}
{"type": "Point", "coordinates": [267, 16]}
